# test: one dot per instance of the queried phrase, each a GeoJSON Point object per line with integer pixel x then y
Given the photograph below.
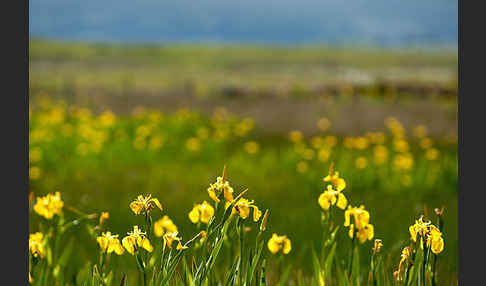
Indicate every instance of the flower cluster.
{"type": "Point", "coordinates": [135, 240]}
{"type": "Point", "coordinates": [404, 257]}
{"type": "Point", "coordinates": [171, 237]}
{"type": "Point", "coordinates": [215, 190]}
{"type": "Point", "coordinates": [49, 205]}
{"type": "Point", "coordinates": [333, 195]}
{"type": "Point", "coordinates": [429, 234]}
{"type": "Point", "coordinates": [164, 225]}
{"type": "Point", "coordinates": [201, 213]}
{"type": "Point", "coordinates": [36, 244]}
{"type": "Point", "coordinates": [242, 208]}
{"type": "Point", "coordinates": [279, 243]}
{"type": "Point", "coordinates": [360, 226]}
{"type": "Point", "coordinates": [109, 243]}
{"type": "Point", "coordinates": [143, 205]}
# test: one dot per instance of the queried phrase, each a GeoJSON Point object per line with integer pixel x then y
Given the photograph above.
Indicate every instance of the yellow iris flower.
{"type": "Point", "coordinates": [135, 240]}
{"type": "Point", "coordinates": [420, 227]}
{"type": "Point", "coordinates": [201, 212]}
{"type": "Point", "coordinates": [109, 242]}
{"type": "Point", "coordinates": [104, 216]}
{"type": "Point", "coordinates": [365, 233]}
{"type": "Point", "coordinates": [360, 215]}
{"type": "Point", "coordinates": [243, 206]}
{"type": "Point", "coordinates": [377, 246]}
{"type": "Point", "coordinates": [171, 237]}
{"type": "Point", "coordinates": [36, 244]}
{"type": "Point", "coordinates": [406, 253]}
{"type": "Point", "coordinates": [333, 177]}
{"type": "Point", "coordinates": [332, 197]}
{"type": "Point", "coordinates": [429, 232]}
{"type": "Point", "coordinates": [49, 205]}
{"type": "Point", "coordinates": [163, 225]}
{"type": "Point", "coordinates": [279, 243]}
{"type": "Point", "coordinates": [144, 204]}
{"type": "Point", "coordinates": [215, 189]}
{"type": "Point", "coordinates": [435, 241]}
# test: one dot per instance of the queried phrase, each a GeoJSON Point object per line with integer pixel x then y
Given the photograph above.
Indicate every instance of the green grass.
{"type": "Point", "coordinates": [109, 179]}
{"type": "Point", "coordinates": [237, 56]}
{"type": "Point", "coordinates": [72, 67]}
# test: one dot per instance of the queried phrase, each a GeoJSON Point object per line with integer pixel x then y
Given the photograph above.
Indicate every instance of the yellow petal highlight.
{"type": "Point", "coordinates": [194, 214]}
{"type": "Point", "coordinates": [279, 243]}
{"type": "Point", "coordinates": [342, 202]}
{"type": "Point", "coordinates": [146, 245]}
{"type": "Point", "coordinates": [157, 203]}
{"type": "Point", "coordinates": [136, 207]}
{"type": "Point", "coordinates": [128, 244]}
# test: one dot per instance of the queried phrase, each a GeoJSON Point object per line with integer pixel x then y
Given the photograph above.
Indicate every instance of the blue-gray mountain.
{"type": "Point", "coordinates": [369, 22]}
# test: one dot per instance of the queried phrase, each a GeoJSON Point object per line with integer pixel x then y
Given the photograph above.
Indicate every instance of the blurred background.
{"type": "Point", "coordinates": [130, 97]}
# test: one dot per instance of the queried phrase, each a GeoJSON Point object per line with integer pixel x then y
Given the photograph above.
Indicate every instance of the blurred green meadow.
{"type": "Point", "coordinates": [107, 123]}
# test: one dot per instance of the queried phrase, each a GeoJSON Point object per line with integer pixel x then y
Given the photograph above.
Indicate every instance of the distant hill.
{"type": "Point", "coordinates": [363, 22]}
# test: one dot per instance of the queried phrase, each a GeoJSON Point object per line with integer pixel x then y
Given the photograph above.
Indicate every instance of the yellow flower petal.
{"type": "Point", "coordinates": [128, 243]}
{"type": "Point", "coordinates": [287, 246]}
{"type": "Point", "coordinates": [212, 195]}
{"type": "Point", "coordinates": [102, 242]}
{"type": "Point", "coordinates": [342, 201]}
{"type": "Point", "coordinates": [413, 233]}
{"type": "Point", "coordinates": [437, 245]}
{"type": "Point", "coordinates": [180, 246]}
{"type": "Point", "coordinates": [351, 231]}
{"type": "Point", "coordinates": [228, 194]}
{"type": "Point", "coordinates": [136, 207]}
{"type": "Point", "coordinates": [119, 249]}
{"type": "Point", "coordinates": [256, 213]}
{"type": "Point", "coordinates": [340, 184]}
{"type": "Point", "coordinates": [146, 244]}
{"type": "Point", "coordinates": [370, 229]}
{"type": "Point", "coordinates": [157, 203]}
{"type": "Point", "coordinates": [347, 216]}
{"type": "Point", "coordinates": [104, 216]}
{"type": "Point", "coordinates": [206, 212]}
{"type": "Point", "coordinates": [324, 201]}
{"type": "Point", "coordinates": [272, 244]}
{"type": "Point", "coordinates": [194, 214]}
{"type": "Point", "coordinates": [243, 210]}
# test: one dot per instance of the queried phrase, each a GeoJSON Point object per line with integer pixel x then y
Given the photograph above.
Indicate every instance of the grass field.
{"type": "Point", "coordinates": [102, 157]}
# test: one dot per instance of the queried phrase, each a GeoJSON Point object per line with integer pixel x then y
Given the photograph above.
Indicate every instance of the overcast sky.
{"type": "Point", "coordinates": [375, 22]}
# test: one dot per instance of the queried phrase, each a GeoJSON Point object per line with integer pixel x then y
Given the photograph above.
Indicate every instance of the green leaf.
{"type": "Point", "coordinates": [285, 275]}
{"type": "Point", "coordinates": [262, 281]}
{"type": "Point", "coordinates": [232, 277]}
{"type": "Point", "coordinates": [63, 260]}
{"type": "Point", "coordinates": [317, 268]}
{"type": "Point", "coordinates": [254, 263]}
{"type": "Point", "coordinates": [96, 278]}
{"type": "Point", "coordinates": [342, 276]}
{"type": "Point", "coordinates": [419, 256]}
{"type": "Point", "coordinates": [172, 267]}
{"type": "Point", "coordinates": [329, 262]}
{"type": "Point", "coordinates": [355, 271]}
{"type": "Point", "coordinates": [124, 281]}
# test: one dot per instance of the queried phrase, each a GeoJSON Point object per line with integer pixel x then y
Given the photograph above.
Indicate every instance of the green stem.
{"type": "Point", "coordinates": [373, 270]}
{"type": "Point", "coordinates": [350, 264]}
{"type": "Point", "coordinates": [241, 232]}
{"type": "Point", "coordinates": [424, 262]}
{"type": "Point", "coordinates": [409, 265]}
{"type": "Point", "coordinates": [434, 283]}
{"type": "Point", "coordinates": [44, 273]}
